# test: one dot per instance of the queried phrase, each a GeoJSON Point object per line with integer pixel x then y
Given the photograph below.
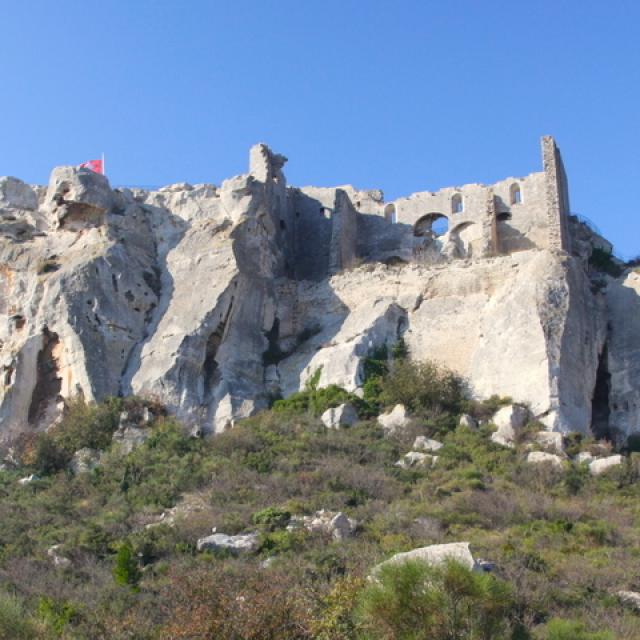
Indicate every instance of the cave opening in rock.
{"type": "Point", "coordinates": [600, 410]}
{"type": "Point", "coordinates": [48, 382]}
{"type": "Point", "coordinates": [210, 365]}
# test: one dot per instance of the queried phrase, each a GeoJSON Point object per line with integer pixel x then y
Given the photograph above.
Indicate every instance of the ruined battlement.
{"type": "Point", "coordinates": [472, 221]}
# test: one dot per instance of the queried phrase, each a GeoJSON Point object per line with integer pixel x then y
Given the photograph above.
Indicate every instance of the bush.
{"type": "Point", "coordinates": [126, 571]}
{"type": "Point", "coordinates": [559, 629]}
{"type": "Point", "coordinates": [271, 518]}
{"type": "Point", "coordinates": [423, 388]}
{"type": "Point", "coordinates": [15, 624]}
{"type": "Point", "coordinates": [416, 601]}
{"type": "Point", "coordinates": [604, 261]}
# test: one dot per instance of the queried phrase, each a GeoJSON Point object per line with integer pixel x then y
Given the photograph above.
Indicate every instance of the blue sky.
{"type": "Point", "coordinates": [404, 96]}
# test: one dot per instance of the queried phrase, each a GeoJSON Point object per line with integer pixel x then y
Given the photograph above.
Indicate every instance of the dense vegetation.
{"type": "Point", "coordinates": [563, 542]}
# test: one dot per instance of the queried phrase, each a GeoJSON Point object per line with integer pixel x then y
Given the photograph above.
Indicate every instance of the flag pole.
{"type": "Point", "coordinates": [104, 170]}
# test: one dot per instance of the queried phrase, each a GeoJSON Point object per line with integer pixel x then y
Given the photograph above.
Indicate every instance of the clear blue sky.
{"type": "Point", "coordinates": [404, 96]}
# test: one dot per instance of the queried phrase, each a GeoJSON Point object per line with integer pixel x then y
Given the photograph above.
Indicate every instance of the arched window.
{"type": "Point", "coordinates": [434, 223]}
{"type": "Point", "coordinates": [516, 193]}
{"type": "Point", "coordinates": [390, 213]}
{"type": "Point", "coordinates": [456, 204]}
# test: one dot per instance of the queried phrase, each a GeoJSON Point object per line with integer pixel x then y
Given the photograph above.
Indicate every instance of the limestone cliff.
{"type": "Point", "coordinates": [215, 299]}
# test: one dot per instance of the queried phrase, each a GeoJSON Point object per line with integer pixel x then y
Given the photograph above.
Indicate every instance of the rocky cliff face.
{"type": "Point", "coordinates": [215, 299]}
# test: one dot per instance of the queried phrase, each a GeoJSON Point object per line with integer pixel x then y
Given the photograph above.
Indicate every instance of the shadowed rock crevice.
{"type": "Point", "coordinates": [48, 382]}
{"type": "Point", "coordinates": [600, 408]}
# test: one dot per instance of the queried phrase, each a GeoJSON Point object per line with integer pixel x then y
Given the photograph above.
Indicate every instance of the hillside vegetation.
{"type": "Point", "coordinates": [562, 542]}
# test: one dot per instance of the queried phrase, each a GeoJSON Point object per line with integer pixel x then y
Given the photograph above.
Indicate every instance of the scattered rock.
{"type": "Point", "coordinates": [435, 554]}
{"type": "Point", "coordinates": [333, 523]}
{"type": "Point", "coordinates": [85, 460]}
{"type": "Point", "coordinates": [128, 436]}
{"type": "Point", "coordinates": [630, 599]}
{"type": "Point", "coordinates": [56, 558]}
{"type": "Point", "coordinates": [422, 443]}
{"type": "Point", "coordinates": [468, 421]}
{"type": "Point", "coordinates": [542, 457]}
{"type": "Point", "coordinates": [28, 479]}
{"type": "Point", "coordinates": [550, 441]}
{"type": "Point", "coordinates": [601, 465]}
{"type": "Point", "coordinates": [343, 415]}
{"type": "Point", "coordinates": [416, 459]}
{"type": "Point", "coordinates": [395, 419]}
{"type": "Point", "coordinates": [584, 456]}
{"type": "Point", "coordinates": [509, 420]}
{"type": "Point", "coordinates": [243, 543]}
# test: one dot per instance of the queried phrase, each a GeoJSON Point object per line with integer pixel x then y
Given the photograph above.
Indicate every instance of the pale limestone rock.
{"type": "Point", "coordinates": [422, 443]}
{"type": "Point", "coordinates": [28, 479]}
{"type": "Point", "coordinates": [550, 441]}
{"type": "Point", "coordinates": [333, 523]}
{"type": "Point", "coordinates": [416, 459]}
{"type": "Point", "coordinates": [84, 460]}
{"type": "Point", "coordinates": [602, 465]}
{"type": "Point", "coordinates": [623, 355]}
{"type": "Point", "coordinates": [57, 559]}
{"type": "Point", "coordinates": [509, 420]}
{"type": "Point", "coordinates": [629, 598]}
{"type": "Point", "coordinates": [468, 421]}
{"type": "Point", "coordinates": [343, 415]}
{"type": "Point", "coordinates": [584, 456]}
{"type": "Point", "coordinates": [244, 543]}
{"type": "Point", "coordinates": [435, 555]}
{"type": "Point", "coordinates": [215, 300]}
{"type": "Point", "coordinates": [129, 437]}
{"type": "Point", "coordinates": [542, 457]}
{"type": "Point", "coordinates": [394, 420]}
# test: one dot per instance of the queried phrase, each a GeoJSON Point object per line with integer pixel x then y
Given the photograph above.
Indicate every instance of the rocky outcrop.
{"type": "Point", "coordinates": [343, 415]}
{"type": "Point", "coordinates": [214, 300]}
{"type": "Point", "coordinates": [435, 555]}
{"type": "Point", "coordinates": [220, 542]}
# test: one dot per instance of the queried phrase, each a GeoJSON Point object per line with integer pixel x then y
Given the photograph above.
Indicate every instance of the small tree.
{"type": "Point", "coordinates": [416, 601]}
{"type": "Point", "coordinates": [126, 570]}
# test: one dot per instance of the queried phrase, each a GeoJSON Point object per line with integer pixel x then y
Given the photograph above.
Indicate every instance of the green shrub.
{"type": "Point", "coordinates": [271, 518]}
{"type": "Point", "coordinates": [57, 615]}
{"type": "Point", "coordinates": [604, 261]}
{"type": "Point", "coordinates": [126, 571]}
{"type": "Point", "coordinates": [15, 623]}
{"type": "Point", "coordinates": [559, 629]}
{"type": "Point", "coordinates": [416, 601]}
{"type": "Point", "coordinates": [423, 388]}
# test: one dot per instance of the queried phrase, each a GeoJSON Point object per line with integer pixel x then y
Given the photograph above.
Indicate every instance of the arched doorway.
{"type": "Point", "coordinates": [432, 223]}
{"type": "Point", "coordinates": [390, 213]}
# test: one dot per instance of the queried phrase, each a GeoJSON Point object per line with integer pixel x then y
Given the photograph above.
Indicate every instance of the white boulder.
{"type": "Point", "coordinates": [243, 543]}
{"type": "Point", "coordinates": [509, 420]}
{"type": "Point", "coordinates": [602, 465]}
{"type": "Point", "coordinates": [630, 599]}
{"type": "Point", "coordinates": [28, 479]}
{"type": "Point", "coordinates": [435, 554]}
{"type": "Point", "coordinates": [584, 456]}
{"type": "Point", "coordinates": [334, 523]}
{"type": "Point", "coordinates": [416, 459]}
{"type": "Point", "coordinates": [542, 457]}
{"type": "Point", "coordinates": [422, 443]}
{"type": "Point", "coordinates": [57, 559]}
{"type": "Point", "coordinates": [395, 419]}
{"type": "Point", "coordinates": [343, 415]}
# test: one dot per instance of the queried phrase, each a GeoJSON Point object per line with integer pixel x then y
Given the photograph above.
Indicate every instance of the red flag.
{"type": "Point", "coordinates": [94, 165]}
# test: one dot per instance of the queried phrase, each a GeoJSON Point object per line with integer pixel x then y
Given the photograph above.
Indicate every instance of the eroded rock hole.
{"type": "Point", "coordinates": [273, 354]}
{"type": "Point", "coordinates": [600, 410]}
{"type": "Point", "coordinates": [210, 366]}
{"type": "Point", "coordinates": [48, 382]}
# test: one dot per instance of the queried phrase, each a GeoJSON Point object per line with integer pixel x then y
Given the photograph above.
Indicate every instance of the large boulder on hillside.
{"type": "Point", "coordinates": [550, 441]}
{"type": "Point", "coordinates": [243, 543]}
{"type": "Point", "coordinates": [394, 420]}
{"type": "Point", "coordinates": [343, 415]}
{"type": "Point", "coordinates": [416, 459]}
{"type": "Point", "coordinates": [333, 523]}
{"type": "Point", "coordinates": [509, 421]}
{"type": "Point", "coordinates": [422, 443]}
{"type": "Point", "coordinates": [435, 555]}
{"type": "Point", "coordinates": [542, 457]}
{"type": "Point", "coordinates": [602, 465]}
